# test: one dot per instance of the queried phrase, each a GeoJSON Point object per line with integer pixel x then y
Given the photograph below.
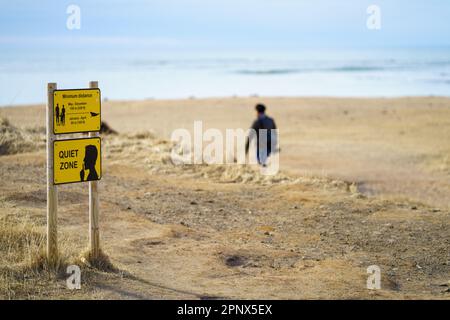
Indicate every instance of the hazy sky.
{"type": "Point", "coordinates": [223, 24]}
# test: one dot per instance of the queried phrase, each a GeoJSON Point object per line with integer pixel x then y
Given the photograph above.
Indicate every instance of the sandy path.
{"type": "Point", "coordinates": [390, 147]}
{"type": "Point", "coordinates": [177, 234]}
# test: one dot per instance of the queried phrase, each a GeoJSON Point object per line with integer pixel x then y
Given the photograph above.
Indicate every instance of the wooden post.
{"type": "Point", "coordinates": [94, 234]}
{"type": "Point", "coordinates": [52, 191]}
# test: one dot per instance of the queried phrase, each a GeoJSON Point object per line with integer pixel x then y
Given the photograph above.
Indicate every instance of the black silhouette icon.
{"type": "Point", "coordinates": [90, 159]}
{"type": "Point", "coordinates": [57, 114]}
{"type": "Point", "coordinates": [93, 114]}
{"type": "Point", "coordinates": [63, 116]}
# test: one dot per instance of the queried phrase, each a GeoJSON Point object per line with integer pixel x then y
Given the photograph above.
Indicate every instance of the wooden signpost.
{"type": "Point", "coordinates": [73, 160]}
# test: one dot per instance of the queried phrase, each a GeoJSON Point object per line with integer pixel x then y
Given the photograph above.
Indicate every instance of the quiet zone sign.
{"type": "Point", "coordinates": [77, 160]}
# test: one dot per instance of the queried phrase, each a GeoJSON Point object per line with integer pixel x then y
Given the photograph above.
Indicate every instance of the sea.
{"type": "Point", "coordinates": [146, 73]}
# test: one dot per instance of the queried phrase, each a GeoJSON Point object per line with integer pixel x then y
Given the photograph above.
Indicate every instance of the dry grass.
{"type": "Point", "coordinates": [21, 246]}
{"type": "Point", "coordinates": [14, 140]}
{"type": "Point", "coordinates": [24, 271]}
{"type": "Point", "coordinates": [102, 262]}
{"type": "Point", "coordinates": [20, 240]}
{"type": "Point", "coordinates": [144, 147]}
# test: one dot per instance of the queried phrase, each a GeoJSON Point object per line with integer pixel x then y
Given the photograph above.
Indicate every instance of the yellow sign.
{"type": "Point", "coordinates": [76, 110]}
{"type": "Point", "coordinates": [77, 160]}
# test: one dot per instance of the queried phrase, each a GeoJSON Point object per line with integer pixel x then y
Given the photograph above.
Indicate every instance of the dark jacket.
{"type": "Point", "coordinates": [263, 122]}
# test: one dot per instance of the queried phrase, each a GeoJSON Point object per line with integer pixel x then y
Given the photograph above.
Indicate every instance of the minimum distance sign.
{"type": "Point", "coordinates": [77, 160]}
{"type": "Point", "coordinates": [76, 110]}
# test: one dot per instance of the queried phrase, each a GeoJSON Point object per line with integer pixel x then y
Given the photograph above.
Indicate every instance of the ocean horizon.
{"type": "Point", "coordinates": [143, 73]}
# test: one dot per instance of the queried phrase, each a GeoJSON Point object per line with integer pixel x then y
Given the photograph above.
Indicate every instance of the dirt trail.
{"type": "Point", "coordinates": [206, 232]}
{"type": "Point", "coordinates": [191, 232]}
{"type": "Point", "coordinates": [391, 147]}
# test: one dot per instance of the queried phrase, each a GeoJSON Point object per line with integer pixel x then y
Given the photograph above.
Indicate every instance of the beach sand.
{"type": "Point", "coordinates": [362, 182]}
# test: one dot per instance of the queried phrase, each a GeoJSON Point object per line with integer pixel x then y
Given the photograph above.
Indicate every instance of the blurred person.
{"type": "Point", "coordinates": [265, 138]}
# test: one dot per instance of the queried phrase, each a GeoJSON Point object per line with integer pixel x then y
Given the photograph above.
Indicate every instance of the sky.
{"type": "Point", "coordinates": [225, 24]}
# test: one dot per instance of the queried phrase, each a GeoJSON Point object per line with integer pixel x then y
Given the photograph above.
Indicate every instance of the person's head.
{"type": "Point", "coordinates": [90, 157]}
{"type": "Point", "coordinates": [260, 108]}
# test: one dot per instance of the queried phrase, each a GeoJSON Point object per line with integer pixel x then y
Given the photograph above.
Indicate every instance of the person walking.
{"type": "Point", "coordinates": [264, 129]}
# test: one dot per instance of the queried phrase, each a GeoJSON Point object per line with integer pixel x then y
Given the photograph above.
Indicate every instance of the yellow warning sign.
{"type": "Point", "coordinates": [76, 110]}
{"type": "Point", "coordinates": [77, 160]}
